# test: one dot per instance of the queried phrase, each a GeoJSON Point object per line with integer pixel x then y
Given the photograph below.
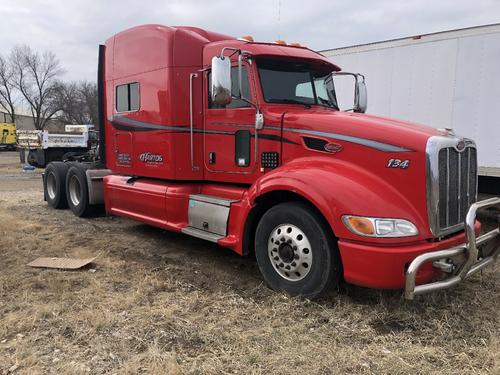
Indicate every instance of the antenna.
{"type": "Point", "coordinates": [279, 19]}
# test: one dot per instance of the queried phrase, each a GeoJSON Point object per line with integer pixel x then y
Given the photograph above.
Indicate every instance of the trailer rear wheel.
{"type": "Point", "coordinates": [77, 191]}
{"type": "Point", "coordinates": [295, 250]}
{"type": "Point", "coordinates": [32, 159]}
{"type": "Point", "coordinates": [54, 185]}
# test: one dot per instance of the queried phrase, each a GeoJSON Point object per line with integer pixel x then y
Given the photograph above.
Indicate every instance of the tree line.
{"type": "Point", "coordinates": [30, 79]}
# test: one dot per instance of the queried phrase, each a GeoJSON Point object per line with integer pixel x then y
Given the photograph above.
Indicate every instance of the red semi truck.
{"type": "Point", "coordinates": [242, 143]}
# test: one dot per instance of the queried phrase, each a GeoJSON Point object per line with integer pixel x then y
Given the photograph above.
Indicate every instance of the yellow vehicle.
{"type": "Point", "coordinates": [7, 136]}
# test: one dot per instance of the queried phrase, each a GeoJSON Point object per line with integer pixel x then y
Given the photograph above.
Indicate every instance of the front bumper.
{"type": "Point", "coordinates": [473, 262]}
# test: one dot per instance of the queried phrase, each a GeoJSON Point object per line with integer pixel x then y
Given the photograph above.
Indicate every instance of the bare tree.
{"type": "Point", "coordinates": [36, 77]}
{"type": "Point", "coordinates": [77, 102]}
{"type": "Point", "coordinates": [7, 88]}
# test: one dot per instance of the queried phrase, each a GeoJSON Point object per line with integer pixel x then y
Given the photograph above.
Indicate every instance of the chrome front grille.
{"type": "Point", "coordinates": [451, 182]}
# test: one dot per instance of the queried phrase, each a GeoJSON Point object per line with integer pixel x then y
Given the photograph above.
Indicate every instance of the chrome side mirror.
{"type": "Point", "coordinates": [360, 99]}
{"type": "Point", "coordinates": [220, 90]}
{"type": "Point", "coordinates": [360, 95]}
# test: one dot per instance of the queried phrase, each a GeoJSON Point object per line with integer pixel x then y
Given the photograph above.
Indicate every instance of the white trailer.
{"type": "Point", "coordinates": [448, 79]}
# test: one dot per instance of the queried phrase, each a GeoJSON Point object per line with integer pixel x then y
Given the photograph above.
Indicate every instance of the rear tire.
{"type": "Point", "coordinates": [32, 159]}
{"type": "Point", "coordinates": [54, 185]}
{"type": "Point", "coordinates": [77, 191]}
{"type": "Point", "coordinates": [295, 250]}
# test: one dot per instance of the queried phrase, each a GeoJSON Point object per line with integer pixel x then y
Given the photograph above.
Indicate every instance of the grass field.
{"type": "Point", "coordinates": [158, 302]}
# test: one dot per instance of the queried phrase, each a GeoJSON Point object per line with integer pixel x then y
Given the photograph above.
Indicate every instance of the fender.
{"type": "Point", "coordinates": [336, 188]}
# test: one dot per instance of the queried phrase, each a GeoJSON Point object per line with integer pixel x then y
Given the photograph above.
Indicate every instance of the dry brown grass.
{"type": "Point", "coordinates": [165, 303]}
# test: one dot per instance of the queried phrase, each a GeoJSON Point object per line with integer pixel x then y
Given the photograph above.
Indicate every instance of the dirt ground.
{"type": "Point", "coordinates": [158, 302]}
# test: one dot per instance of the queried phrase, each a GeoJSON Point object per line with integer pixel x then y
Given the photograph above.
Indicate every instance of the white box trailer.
{"type": "Point", "coordinates": [448, 79]}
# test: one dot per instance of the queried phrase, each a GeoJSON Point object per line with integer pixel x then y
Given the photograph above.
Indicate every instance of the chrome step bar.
{"type": "Point", "coordinates": [204, 235]}
{"type": "Point", "coordinates": [470, 249]}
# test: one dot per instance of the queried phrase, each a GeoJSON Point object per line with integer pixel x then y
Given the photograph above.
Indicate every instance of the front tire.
{"type": "Point", "coordinates": [77, 191]}
{"type": "Point", "coordinates": [295, 250]}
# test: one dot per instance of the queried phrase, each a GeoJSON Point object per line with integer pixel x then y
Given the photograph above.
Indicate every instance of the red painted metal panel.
{"type": "Point", "coordinates": [375, 266]}
{"type": "Point", "coordinates": [142, 200]}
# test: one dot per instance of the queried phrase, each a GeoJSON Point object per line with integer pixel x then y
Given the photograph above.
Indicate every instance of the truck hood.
{"type": "Point", "coordinates": [372, 131]}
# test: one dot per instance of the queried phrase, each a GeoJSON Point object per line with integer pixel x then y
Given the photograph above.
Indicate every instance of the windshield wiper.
{"type": "Point", "coordinates": [289, 101]}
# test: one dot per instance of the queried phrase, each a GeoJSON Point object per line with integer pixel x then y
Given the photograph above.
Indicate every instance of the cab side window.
{"type": "Point", "coordinates": [245, 88]}
{"type": "Point", "coordinates": [127, 97]}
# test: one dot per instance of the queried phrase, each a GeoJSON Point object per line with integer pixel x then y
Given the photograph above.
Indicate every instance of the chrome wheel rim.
{"type": "Point", "coordinates": [51, 185]}
{"type": "Point", "coordinates": [290, 252]}
{"type": "Point", "coordinates": [75, 190]}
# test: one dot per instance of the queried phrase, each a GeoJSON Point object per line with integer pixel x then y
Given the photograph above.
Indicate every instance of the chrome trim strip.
{"type": "Point", "coordinates": [381, 146]}
{"type": "Point", "coordinates": [447, 188]}
{"type": "Point", "coordinates": [468, 179]}
{"type": "Point", "coordinates": [459, 185]}
{"type": "Point", "coordinates": [471, 265]}
{"type": "Point", "coordinates": [377, 145]}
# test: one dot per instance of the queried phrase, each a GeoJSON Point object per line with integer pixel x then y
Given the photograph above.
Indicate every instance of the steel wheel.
{"type": "Point", "coordinates": [290, 252]}
{"type": "Point", "coordinates": [51, 185]}
{"type": "Point", "coordinates": [75, 190]}
{"type": "Point", "coordinates": [295, 250]}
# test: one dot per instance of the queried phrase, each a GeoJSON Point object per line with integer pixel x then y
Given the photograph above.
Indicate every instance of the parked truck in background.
{"type": "Point", "coordinates": [41, 147]}
{"type": "Point", "coordinates": [242, 143]}
{"type": "Point", "coordinates": [446, 80]}
{"type": "Point", "coordinates": [7, 136]}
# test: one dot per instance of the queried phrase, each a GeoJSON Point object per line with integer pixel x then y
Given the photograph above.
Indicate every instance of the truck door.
{"type": "Point", "coordinates": [229, 132]}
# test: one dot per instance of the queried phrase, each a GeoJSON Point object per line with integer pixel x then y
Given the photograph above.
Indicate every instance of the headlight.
{"type": "Point", "coordinates": [379, 227]}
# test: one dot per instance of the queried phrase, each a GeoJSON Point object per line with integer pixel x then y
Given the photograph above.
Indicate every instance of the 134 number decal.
{"type": "Point", "coordinates": [398, 163]}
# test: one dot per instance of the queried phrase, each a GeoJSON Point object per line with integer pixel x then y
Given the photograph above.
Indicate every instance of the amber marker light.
{"type": "Point", "coordinates": [295, 44]}
{"type": "Point", "coordinates": [360, 225]}
{"type": "Point", "coordinates": [248, 38]}
{"type": "Point", "coordinates": [281, 42]}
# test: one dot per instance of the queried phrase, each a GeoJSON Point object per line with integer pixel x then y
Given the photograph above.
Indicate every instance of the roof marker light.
{"type": "Point", "coordinates": [247, 38]}
{"type": "Point", "coordinates": [281, 42]}
{"type": "Point", "coordinates": [295, 44]}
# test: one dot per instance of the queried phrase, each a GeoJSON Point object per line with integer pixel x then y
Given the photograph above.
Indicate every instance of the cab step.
{"type": "Point", "coordinates": [208, 236]}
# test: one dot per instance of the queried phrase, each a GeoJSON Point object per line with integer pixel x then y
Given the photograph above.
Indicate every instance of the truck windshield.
{"type": "Point", "coordinates": [296, 83]}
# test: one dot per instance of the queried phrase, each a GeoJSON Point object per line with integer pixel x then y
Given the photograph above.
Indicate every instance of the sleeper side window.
{"type": "Point", "coordinates": [127, 97]}
{"type": "Point", "coordinates": [245, 88]}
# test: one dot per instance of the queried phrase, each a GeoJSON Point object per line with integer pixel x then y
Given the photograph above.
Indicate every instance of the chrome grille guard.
{"type": "Point", "coordinates": [470, 249]}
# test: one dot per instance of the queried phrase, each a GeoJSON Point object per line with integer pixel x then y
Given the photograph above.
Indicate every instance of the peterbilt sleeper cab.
{"type": "Point", "coordinates": [243, 144]}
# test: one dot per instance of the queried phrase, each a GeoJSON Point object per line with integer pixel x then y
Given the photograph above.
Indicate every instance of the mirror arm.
{"type": "Point", "coordinates": [239, 75]}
